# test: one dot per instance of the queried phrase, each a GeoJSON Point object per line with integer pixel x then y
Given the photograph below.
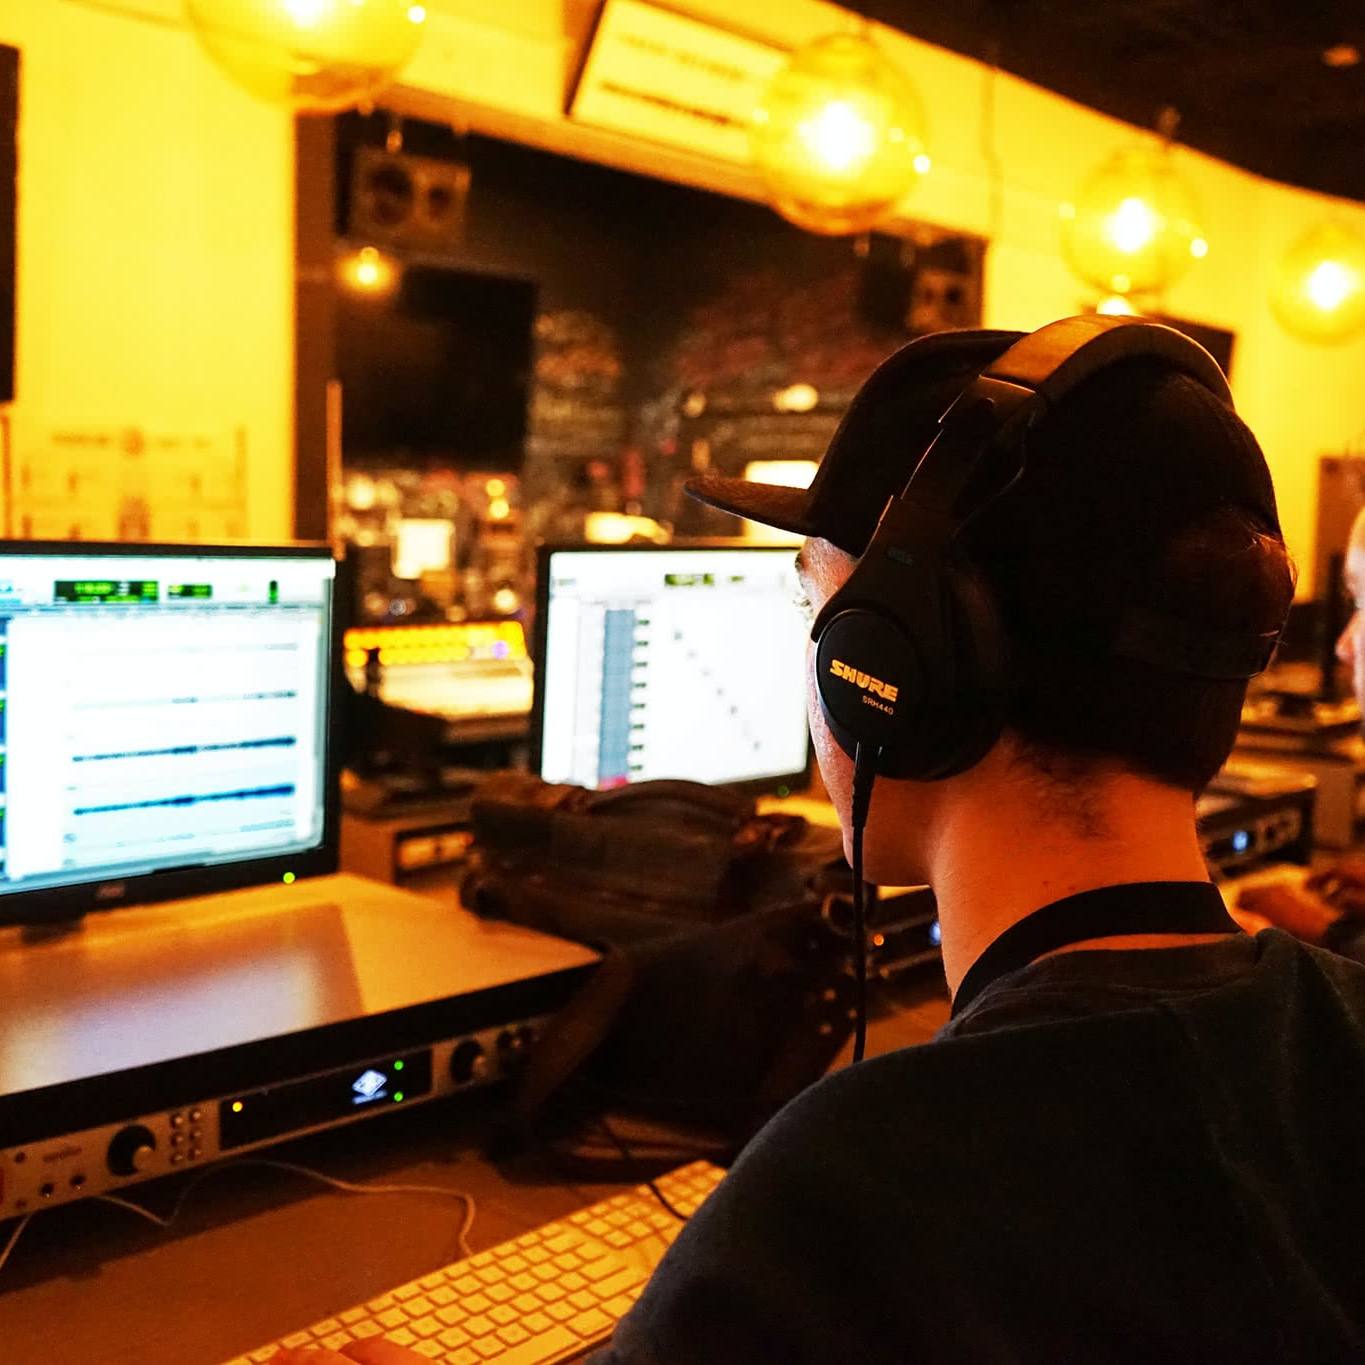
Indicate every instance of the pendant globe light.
{"type": "Point", "coordinates": [1133, 227]}
{"type": "Point", "coordinates": [317, 56]}
{"type": "Point", "coordinates": [1319, 288]}
{"type": "Point", "coordinates": [838, 137]}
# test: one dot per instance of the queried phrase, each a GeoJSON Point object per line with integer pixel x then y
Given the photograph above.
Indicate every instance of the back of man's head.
{"type": "Point", "coordinates": [1131, 502]}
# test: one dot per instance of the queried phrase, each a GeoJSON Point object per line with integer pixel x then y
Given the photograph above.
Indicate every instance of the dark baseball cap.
{"type": "Point", "coordinates": [1126, 460]}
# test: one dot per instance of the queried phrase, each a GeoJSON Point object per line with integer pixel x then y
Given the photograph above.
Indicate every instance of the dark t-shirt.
{"type": "Point", "coordinates": [1112, 1155]}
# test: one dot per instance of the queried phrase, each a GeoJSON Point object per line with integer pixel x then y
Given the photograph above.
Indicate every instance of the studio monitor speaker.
{"type": "Point", "coordinates": [397, 199]}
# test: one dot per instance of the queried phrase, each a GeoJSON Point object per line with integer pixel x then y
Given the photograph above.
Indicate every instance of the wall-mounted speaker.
{"type": "Point", "coordinates": [399, 199]}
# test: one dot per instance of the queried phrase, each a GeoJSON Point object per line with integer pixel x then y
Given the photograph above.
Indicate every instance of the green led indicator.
{"type": "Point", "coordinates": [398, 1066]}
{"type": "Point", "coordinates": [289, 879]}
{"type": "Point", "coordinates": [398, 1097]}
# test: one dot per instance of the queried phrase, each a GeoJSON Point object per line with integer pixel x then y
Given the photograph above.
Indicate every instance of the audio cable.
{"type": "Point", "coordinates": [864, 775]}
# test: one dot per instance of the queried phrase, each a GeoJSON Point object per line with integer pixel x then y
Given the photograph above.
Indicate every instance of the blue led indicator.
{"type": "Point", "coordinates": [1241, 841]}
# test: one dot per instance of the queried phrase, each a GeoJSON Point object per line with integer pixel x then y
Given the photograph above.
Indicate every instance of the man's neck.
{"type": "Point", "coordinates": [1002, 851]}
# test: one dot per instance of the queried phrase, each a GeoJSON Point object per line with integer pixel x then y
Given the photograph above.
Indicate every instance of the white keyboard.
{"type": "Point", "coordinates": [550, 1295]}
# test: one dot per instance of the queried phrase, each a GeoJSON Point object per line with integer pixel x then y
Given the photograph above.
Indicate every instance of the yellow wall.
{"type": "Point", "coordinates": [155, 242]}
{"type": "Point", "coordinates": [504, 69]}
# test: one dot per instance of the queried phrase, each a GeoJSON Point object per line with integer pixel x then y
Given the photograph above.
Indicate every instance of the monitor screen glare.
{"type": "Point", "coordinates": [672, 663]}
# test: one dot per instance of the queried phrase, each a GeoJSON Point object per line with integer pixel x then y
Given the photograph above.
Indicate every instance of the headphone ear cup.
{"type": "Point", "coordinates": [869, 680]}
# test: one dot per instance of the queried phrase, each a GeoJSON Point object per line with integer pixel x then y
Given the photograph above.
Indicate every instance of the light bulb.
{"type": "Point", "coordinates": [1319, 288]}
{"type": "Point", "coordinates": [838, 137]}
{"type": "Point", "coordinates": [317, 56]}
{"type": "Point", "coordinates": [1134, 225]}
{"type": "Point", "coordinates": [369, 272]}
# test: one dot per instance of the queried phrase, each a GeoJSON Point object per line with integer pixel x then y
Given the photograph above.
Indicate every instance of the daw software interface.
{"type": "Point", "coordinates": [159, 712]}
{"type": "Point", "coordinates": [670, 663]}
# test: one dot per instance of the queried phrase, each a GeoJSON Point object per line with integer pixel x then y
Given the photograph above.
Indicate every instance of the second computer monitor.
{"type": "Point", "coordinates": [670, 663]}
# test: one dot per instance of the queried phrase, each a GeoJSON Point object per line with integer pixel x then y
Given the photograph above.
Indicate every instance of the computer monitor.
{"type": "Point", "coordinates": [669, 662]}
{"type": "Point", "coordinates": [165, 722]}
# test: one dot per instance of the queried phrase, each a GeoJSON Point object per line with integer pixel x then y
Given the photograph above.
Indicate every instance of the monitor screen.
{"type": "Point", "coordinates": [670, 663]}
{"type": "Point", "coordinates": [158, 711]}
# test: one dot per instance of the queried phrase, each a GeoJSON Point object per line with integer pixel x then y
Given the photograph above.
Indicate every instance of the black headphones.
{"type": "Point", "coordinates": [911, 660]}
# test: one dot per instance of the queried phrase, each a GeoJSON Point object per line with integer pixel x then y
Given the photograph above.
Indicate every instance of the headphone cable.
{"type": "Point", "coordinates": [864, 775]}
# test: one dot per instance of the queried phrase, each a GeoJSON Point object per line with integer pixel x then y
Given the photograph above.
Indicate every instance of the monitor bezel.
{"type": "Point", "coordinates": [56, 904]}
{"type": "Point", "coordinates": [782, 784]}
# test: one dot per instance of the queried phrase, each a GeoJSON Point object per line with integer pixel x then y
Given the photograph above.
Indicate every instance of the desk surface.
{"type": "Point", "coordinates": [258, 1252]}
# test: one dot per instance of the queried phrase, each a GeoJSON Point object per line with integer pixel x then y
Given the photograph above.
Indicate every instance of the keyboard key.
{"type": "Point", "coordinates": [425, 1327]}
{"type": "Point", "coordinates": [536, 1255]}
{"type": "Point", "coordinates": [382, 1302]}
{"type": "Point", "coordinates": [482, 1259]}
{"type": "Point", "coordinates": [324, 1328]}
{"type": "Point", "coordinates": [513, 1334]}
{"type": "Point", "coordinates": [503, 1314]}
{"type": "Point", "coordinates": [590, 1324]}
{"type": "Point", "coordinates": [490, 1274]}
{"type": "Point", "coordinates": [573, 1280]}
{"type": "Point", "coordinates": [431, 1349]}
{"type": "Point", "coordinates": [400, 1336]}
{"type": "Point", "coordinates": [544, 1273]}
{"type": "Point", "coordinates": [418, 1307]}
{"type": "Point", "coordinates": [514, 1264]}
{"type": "Point", "coordinates": [464, 1356]}
{"type": "Point", "coordinates": [442, 1294]}
{"type": "Point", "coordinates": [392, 1317]}
{"type": "Point", "coordinates": [618, 1239]}
{"type": "Point", "coordinates": [453, 1337]}
{"type": "Point", "coordinates": [624, 1279]}
{"type": "Point", "coordinates": [561, 1311]}
{"type": "Point", "coordinates": [583, 1300]}
{"type": "Point", "coordinates": [452, 1313]}
{"type": "Point", "coordinates": [551, 1293]}
{"type": "Point", "coordinates": [535, 1322]}
{"type": "Point", "coordinates": [478, 1326]}
{"type": "Point", "coordinates": [467, 1284]}
{"type": "Point", "coordinates": [599, 1227]}
{"type": "Point", "coordinates": [297, 1339]}
{"type": "Point", "coordinates": [337, 1340]}
{"type": "Point", "coordinates": [431, 1281]}
{"type": "Point", "coordinates": [488, 1347]}
{"type": "Point", "coordinates": [478, 1303]}
{"type": "Point", "coordinates": [501, 1293]}
{"type": "Point", "coordinates": [618, 1307]}
{"type": "Point", "coordinates": [522, 1282]}
{"type": "Point", "coordinates": [638, 1229]}
{"type": "Point", "coordinates": [351, 1315]}
{"type": "Point", "coordinates": [406, 1291]}
{"type": "Point", "coordinates": [600, 1268]}
{"type": "Point", "coordinates": [363, 1331]}
{"type": "Point", "coordinates": [538, 1349]}
{"type": "Point", "coordinates": [526, 1303]}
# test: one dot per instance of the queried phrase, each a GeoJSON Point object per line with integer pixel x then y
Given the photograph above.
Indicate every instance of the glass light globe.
{"type": "Point", "coordinates": [1319, 288]}
{"type": "Point", "coordinates": [318, 56]}
{"type": "Point", "coordinates": [1134, 226]}
{"type": "Point", "coordinates": [838, 136]}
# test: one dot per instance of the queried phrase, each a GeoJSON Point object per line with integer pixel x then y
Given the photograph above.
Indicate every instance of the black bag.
{"type": "Point", "coordinates": [723, 991]}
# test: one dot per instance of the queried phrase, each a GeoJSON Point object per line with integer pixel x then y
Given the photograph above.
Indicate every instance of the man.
{"type": "Point", "coordinates": [1329, 907]}
{"type": "Point", "coordinates": [1139, 1148]}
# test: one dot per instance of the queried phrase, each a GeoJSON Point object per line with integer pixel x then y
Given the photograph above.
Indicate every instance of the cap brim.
{"type": "Point", "coordinates": [788, 509]}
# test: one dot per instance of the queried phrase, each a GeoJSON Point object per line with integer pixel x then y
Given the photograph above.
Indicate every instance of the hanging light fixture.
{"type": "Point", "coordinates": [1319, 288]}
{"type": "Point", "coordinates": [1133, 228]}
{"type": "Point", "coordinates": [317, 56]}
{"type": "Point", "coordinates": [838, 137]}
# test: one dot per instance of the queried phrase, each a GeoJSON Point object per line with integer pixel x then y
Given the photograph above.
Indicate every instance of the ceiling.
{"type": "Point", "coordinates": [1248, 78]}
